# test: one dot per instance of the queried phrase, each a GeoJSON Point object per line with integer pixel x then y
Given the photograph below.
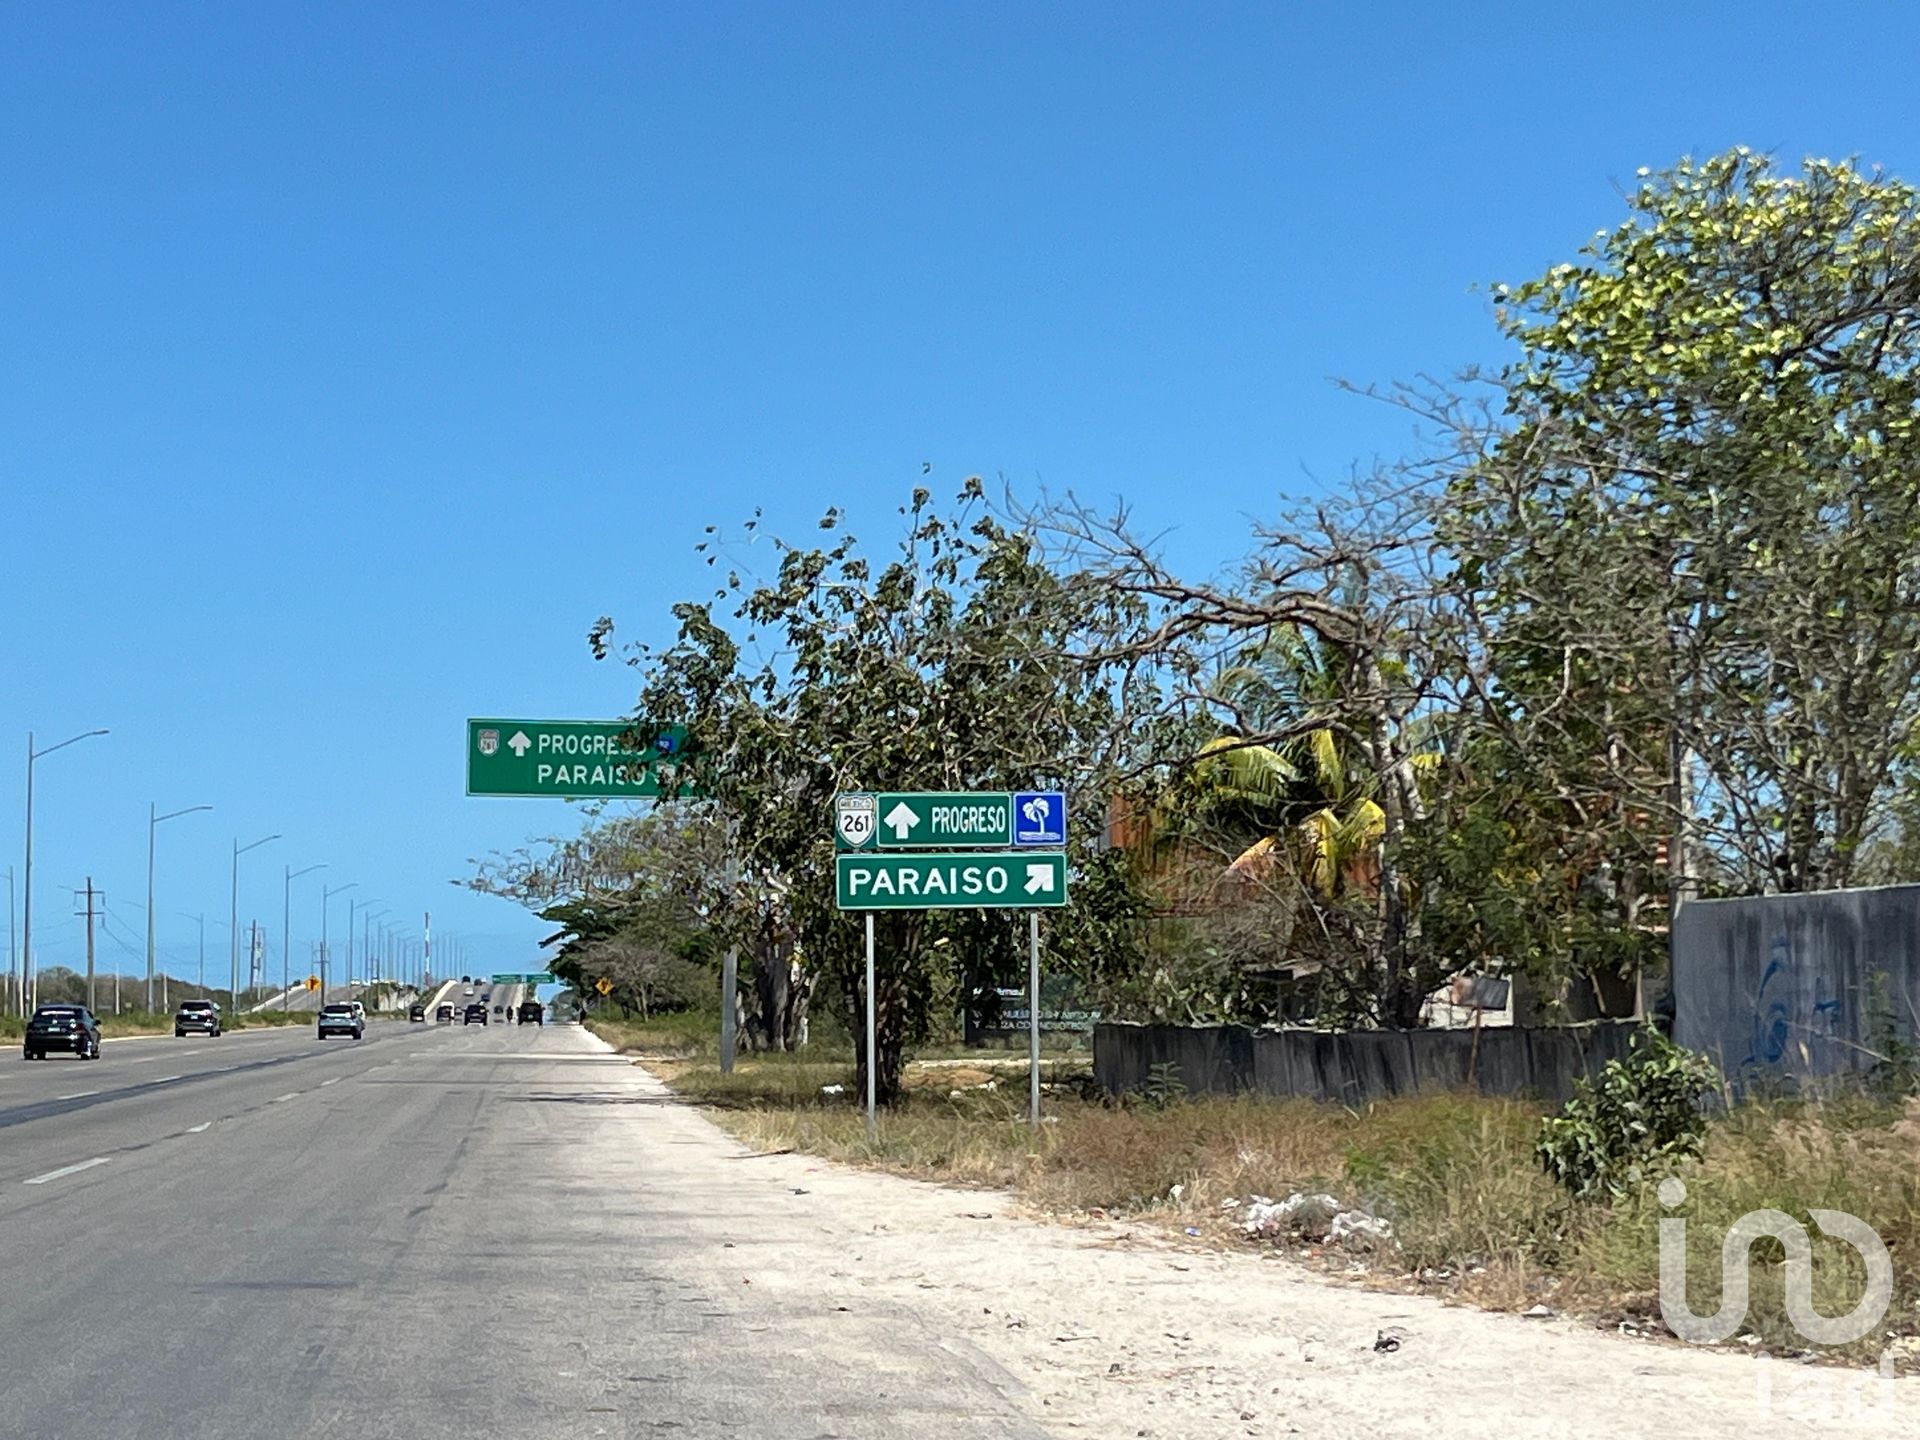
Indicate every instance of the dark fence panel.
{"type": "Point", "coordinates": [1355, 1066]}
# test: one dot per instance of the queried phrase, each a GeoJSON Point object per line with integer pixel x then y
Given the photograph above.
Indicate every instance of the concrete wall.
{"type": "Point", "coordinates": [1356, 1065]}
{"type": "Point", "coordinates": [1778, 988]}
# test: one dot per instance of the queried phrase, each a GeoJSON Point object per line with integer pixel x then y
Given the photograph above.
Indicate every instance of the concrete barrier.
{"type": "Point", "coordinates": [1784, 990]}
{"type": "Point", "coordinates": [1355, 1066]}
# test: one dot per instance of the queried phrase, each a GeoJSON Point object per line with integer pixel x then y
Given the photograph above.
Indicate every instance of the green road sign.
{"type": "Point", "coordinates": [576, 759]}
{"type": "Point", "coordinates": [541, 979]}
{"type": "Point", "coordinates": [924, 820]}
{"type": "Point", "coordinates": [1029, 880]}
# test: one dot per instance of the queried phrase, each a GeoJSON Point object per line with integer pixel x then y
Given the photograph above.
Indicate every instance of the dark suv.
{"type": "Point", "coordinates": [475, 1011]}
{"type": "Point", "coordinates": [532, 1013]}
{"type": "Point", "coordinates": [201, 1015]}
{"type": "Point", "coordinates": [62, 1027]}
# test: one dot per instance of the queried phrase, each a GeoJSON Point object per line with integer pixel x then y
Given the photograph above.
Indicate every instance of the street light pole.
{"type": "Point", "coordinates": [233, 934]}
{"type": "Point", "coordinates": [153, 823]}
{"type": "Point", "coordinates": [366, 939]}
{"type": "Point", "coordinates": [286, 926]}
{"type": "Point", "coordinates": [28, 978]}
{"type": "Point", "coordinates": [325, 896]}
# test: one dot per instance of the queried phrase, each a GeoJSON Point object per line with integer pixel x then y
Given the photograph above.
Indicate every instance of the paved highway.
{"type": "Point", "coordinates": [439, 1231]}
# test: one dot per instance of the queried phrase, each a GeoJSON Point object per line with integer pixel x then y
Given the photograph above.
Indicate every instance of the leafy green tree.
{"type": "Point", "coordinates": [949, 666]}
{"type": "Point", "coordinates": [1695, 540]}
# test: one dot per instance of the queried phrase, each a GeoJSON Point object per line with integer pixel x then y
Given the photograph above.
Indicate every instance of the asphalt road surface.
{"type": "Point", "coordinates": [436, 1231]}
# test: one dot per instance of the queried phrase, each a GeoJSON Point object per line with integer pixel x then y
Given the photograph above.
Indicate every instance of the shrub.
{"type": "Point", "coordinates": [1636, 1120]}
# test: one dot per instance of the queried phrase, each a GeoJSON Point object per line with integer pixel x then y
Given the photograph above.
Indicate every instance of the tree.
{"type": "Point", "coordinates": [626, 887]}
{"type": "Point", "coordinates": [946, 667]}
{"type": "Point", "coordinates": [1355, 584]}
{"type": "Point", "coordinates": [1695, 540]}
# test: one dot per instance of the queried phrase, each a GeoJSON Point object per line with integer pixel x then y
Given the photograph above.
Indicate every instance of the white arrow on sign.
{"type": "Point", "coordinates": [519, 744]}
{"type": "Point", "coordinates": [1039, 878]}
{"type": "Point", "coordinates": [902, 819]}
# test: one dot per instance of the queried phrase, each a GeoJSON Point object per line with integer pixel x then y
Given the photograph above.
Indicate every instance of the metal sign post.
{"type": "Point", "coordinates": [1033, 1016]}
{"type": "Point", "coordinates": [971, 874]}
{"type": "Point", "coordinates": [873, 1128]}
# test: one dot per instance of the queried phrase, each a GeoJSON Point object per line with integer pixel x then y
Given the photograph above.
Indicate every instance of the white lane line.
{"type": "Point", "coordinates": [334, 1081]}
{"type": "Point", "coordinates": [66, 1170]}
{"type": "Point", "coordinates": [190, 1052]}
{"type": "Point", "coordinates": [164, 1080]}
{"type": "Point", "coordinates": [80, 1095]}
{"type": "Point", "coordinates": [282, 1099]}
{"type": "Point", "coordinates": [196, 1129]}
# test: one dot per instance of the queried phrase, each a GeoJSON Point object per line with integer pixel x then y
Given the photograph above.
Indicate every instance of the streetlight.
{"type": "Point", "coordinates": [286, 925]}
{"type": "Point", "coordinates": [325, 896]}
{"type": "Point", "coordinates": [153, 823]}
{"type": "Point", "coordinates": [362, 904]}
{"type": "Point", "coordinates": [202, 919]}
{"type": "Point", "coordinates": [233, 938]}
{"type": "Point", "coordinates": [26, 927]}
{"type": "Point", "coordinates": [366, 940]}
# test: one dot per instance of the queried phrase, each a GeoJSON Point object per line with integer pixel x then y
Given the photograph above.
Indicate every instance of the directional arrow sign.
{"type": "Point", "coordinates": [1016, 881]}
{"type": "Point", "coordinates": [931, 820]}
{"type": "Point", "coordinates": [577, 759]}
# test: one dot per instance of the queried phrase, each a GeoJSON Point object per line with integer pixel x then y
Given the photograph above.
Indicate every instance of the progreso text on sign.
{"type": "Point", "coordinates": [576, 759]}
{"type": "Point", "coordinates": [1019, 881]}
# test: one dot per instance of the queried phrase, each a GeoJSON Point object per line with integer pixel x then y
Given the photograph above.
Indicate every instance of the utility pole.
{"type": "Point", "coordinates": [90, 893]}
{"type": "Point", "coordinates": [13, 957]}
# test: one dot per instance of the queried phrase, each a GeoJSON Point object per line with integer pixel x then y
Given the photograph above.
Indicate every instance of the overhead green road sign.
{"type": "Point", "coordinates": [577, 759]}
{"type": "Point", "coordinates": [541, 979]}
{"type": "Point", "coordinates": [929, 819]}
{"type": "Point", "coordinates": [1029, 880]}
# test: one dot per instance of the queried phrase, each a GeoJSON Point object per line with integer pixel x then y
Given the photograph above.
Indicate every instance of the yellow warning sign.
{"type": "Point", "coordinates": [603, 985]}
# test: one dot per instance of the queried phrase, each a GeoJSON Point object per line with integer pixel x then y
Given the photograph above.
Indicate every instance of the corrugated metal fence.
{"type": "Point", "coordinates": [1355, 1066]}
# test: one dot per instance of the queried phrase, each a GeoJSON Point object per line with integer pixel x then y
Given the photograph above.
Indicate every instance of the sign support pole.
{"type": "Point", "coordinates": [1033, 1016]}
{"type": "Point", "coordinates": [873, 1059]}
{"type": "Point", "coordinates": [730, 965]}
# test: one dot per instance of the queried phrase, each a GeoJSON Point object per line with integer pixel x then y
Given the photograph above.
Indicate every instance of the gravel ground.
{"type": "Point", "coordinates": [1108, 1329]}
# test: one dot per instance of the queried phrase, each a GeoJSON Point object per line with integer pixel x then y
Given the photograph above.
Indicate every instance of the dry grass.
{"type": "Point", "coordinates": [1474, 1216]}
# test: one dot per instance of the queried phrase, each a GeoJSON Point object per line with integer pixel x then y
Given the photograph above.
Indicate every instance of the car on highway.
{"type": "Point", "coordinates": [532, 1013]}
{"type": "Point", "coordinates": [340, 1020]}
{"type": "Point", "coordinates": [469, 989]}
{"type": "Point", "coordinates": [417, 1014]}
{"type": "Point", "coordinates": [475, 1011]}
{"type": "Point", "coordinates": [201, 1015]}
{"type": "Point", "coordinates": [359, 1011]}
{"type": "Point", "coordinates": [443, 1014]}
{"type": "Point", "coordinates": [62, 1027]}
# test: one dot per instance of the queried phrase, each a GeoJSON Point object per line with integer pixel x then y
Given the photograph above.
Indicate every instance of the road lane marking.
{"type": "Point", "coordinates": [282, 1099]}
{"type": "Point", "coordinates": [66, 1170]}
{"type": "Point", "coordinates": [80, 1095]}
{"type": "Point", "coordinates": [334, 1081]}
{"type": "Point", "coordinates": [164, 1080]}
{"type": "Point", "coordinates": [203, 1125]}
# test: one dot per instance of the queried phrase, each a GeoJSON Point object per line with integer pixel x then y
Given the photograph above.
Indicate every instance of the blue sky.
{"type": "Point", "coordinates": [353, 359]}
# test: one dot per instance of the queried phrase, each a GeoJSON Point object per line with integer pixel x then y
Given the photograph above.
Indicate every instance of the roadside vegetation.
{"type": "Point", "coordinates": [1638, 623]}
{"type": "Point", "coordinates": [1475, 1214]}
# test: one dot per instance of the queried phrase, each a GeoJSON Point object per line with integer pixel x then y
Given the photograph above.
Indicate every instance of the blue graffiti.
{"type": "Point", "coordinates": [1773, 1007]}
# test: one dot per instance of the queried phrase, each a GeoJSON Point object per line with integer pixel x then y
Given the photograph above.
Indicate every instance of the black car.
{"type": "Point", "coordinates": [475, 1011]}
{"type": "Point", "coordinates": [340, 1020]}
{"type": "Point", "coordinates": [443, 1014]}
{"type": "Point", "coordinates": [532, 1012]}
{"type": "Point", "coordinates": [62, 1027]}
{"type": "Point", "coordinates": [201, 1015]}
{"type": "Point", "coordinates": [417, 1014]}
